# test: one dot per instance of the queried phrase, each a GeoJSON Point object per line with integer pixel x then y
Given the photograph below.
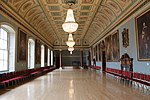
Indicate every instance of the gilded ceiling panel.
{"type": "Point", "coordinates": [93, 17]}
{"type": "Point", "coordinates": [109, 11]}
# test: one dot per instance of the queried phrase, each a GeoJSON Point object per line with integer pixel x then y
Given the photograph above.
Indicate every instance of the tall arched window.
{"type": "Point", "coordinates": [42, 56]}
{"type": "Point", "coordinates": [31, 53]}
{"type": "Point", "coordinates": [4, 49]}
{"type": "Point", "coordinates": [7, 48]}
{"type": "Point", "coordinates": [48, 58]}
{"type": "Point", "coordinates": [52, 58]}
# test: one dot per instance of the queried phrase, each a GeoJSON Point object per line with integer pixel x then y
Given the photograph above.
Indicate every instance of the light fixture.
{"type": "Point", "coordinates": [70, 25]}
{"type": "Point", "coordinates": [70, 49]}
{"type": "Point", "coordinates": [70, 52]}
{"type": "Point", "coordinates": [70, 41]}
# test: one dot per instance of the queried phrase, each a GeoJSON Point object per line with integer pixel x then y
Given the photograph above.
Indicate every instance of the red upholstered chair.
{"type": "Point", "coordinates": [97, 67]}
{"type": "Point", "coordinates": [123, 73]}
{"type": "Point", "coordinates": [148, 78]}
{"type": "Point", "coordinates": [142, 76]}
{"type": "Point", "coordinates": [138, 75]}
{"type": "Point", "coordinates": [135, 75]}
{"type": "Point", "coordinates": [120, 72]}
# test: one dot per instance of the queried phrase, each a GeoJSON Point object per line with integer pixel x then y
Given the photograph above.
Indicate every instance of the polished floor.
{"type": "Point", "coordinates": [73, 84]}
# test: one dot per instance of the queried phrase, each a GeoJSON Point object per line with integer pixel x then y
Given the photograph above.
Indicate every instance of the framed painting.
{"type": "Point", "coordinates": [115, 46]}
{"type": "Point", "coordinates": [125, 38]}
{"type": "Point", "coordinates": [143, 35]}
{"type": "Point", "coordinates": [37, 52]}
{"type": "Point", "coordinates": [108, 48]}
{"type": "Point", "coordinates": [22, 45]}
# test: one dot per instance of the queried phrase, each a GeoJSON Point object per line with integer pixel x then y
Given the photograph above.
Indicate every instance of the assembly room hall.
{"type": "Point", "coordinates": [74, 49]}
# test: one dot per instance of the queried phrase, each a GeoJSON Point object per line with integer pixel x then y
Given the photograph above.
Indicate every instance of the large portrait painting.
{"type": "Point", "coordinates": [115, 46]}
{"type": "Point", "coordinates": [22, 45]}
{"type": "Point", "coordinates": [143, 35]}
{"type": "Point", "coordinates": [37, 52]}
{"type": "Point", "coordinates": [125, 38]}
{"type": "Point", "coordinates": [108, 48]}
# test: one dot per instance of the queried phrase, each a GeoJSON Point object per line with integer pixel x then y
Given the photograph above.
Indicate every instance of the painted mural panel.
{"type": "Point", "coordinates": [22, 45]}
{"type": "Point", "coordinates": [143, 35]}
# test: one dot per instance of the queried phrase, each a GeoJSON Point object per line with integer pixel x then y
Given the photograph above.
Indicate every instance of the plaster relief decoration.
{"type": "Point", "coordinates": [85, 42]}
{"type": "Point", "coordinates": [94, 17]}
{"type": "Point", "coordinates": [77, 41]}
{"type": "Point", "coordinates": [115, 46]}
{"type": "Point", "coordinates": [143, 35]}
{"type": "Point", "coordinates": [22, 45]}
{"type": "Point", "coordinates": [64, 41]}
{"type": "Point", "coordinates": [125, 38]}
{"type": "Point", "coordinates": [31, 12]}
{"type": "Point", "coordinates": [107, 16]}
{"type": "Point", "coordinates": [37, 52]}
{"type": "Point", "coordinates": [56, 43]}
{"type": "Point", "coordinates": [87, 1]}
{"type": "Point", "coordinates": [52, 1]}
{"type": "Point", "coordinates": [108, 48]}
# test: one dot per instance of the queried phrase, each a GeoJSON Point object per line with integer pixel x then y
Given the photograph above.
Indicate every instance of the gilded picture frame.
{"type": "Point", "coordinates": [143, 36]}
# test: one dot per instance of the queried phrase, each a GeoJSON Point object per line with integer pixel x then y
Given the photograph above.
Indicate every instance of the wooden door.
{"type": "Point", "coordinates": [103, 61]}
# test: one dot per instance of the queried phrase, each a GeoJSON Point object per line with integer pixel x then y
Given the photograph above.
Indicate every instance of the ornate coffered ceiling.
{"type": "Point", "coordinates": [93, 17]}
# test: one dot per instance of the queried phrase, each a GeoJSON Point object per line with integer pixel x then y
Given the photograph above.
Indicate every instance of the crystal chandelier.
{"type": "Point", "coordinates": [70, 41]}
{"type": "Point", "coordinates": [70, 25]}
{"type": "Point", "coordinates": [70, 49]}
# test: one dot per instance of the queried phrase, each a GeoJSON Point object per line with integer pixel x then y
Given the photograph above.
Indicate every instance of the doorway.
{"type": "Point", "coordinates": [103, 61]}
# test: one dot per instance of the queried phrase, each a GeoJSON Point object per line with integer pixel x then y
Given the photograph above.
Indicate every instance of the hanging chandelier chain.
{"type": "Point", "coordinates": [70, 2]}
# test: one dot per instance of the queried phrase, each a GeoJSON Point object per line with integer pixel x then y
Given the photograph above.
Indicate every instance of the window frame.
{"type": "Point", "coordinates": [8, 48]}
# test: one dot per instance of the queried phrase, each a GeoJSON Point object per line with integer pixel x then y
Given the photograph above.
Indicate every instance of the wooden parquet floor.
{"type": "Point", "coordinates": [73, 84]}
